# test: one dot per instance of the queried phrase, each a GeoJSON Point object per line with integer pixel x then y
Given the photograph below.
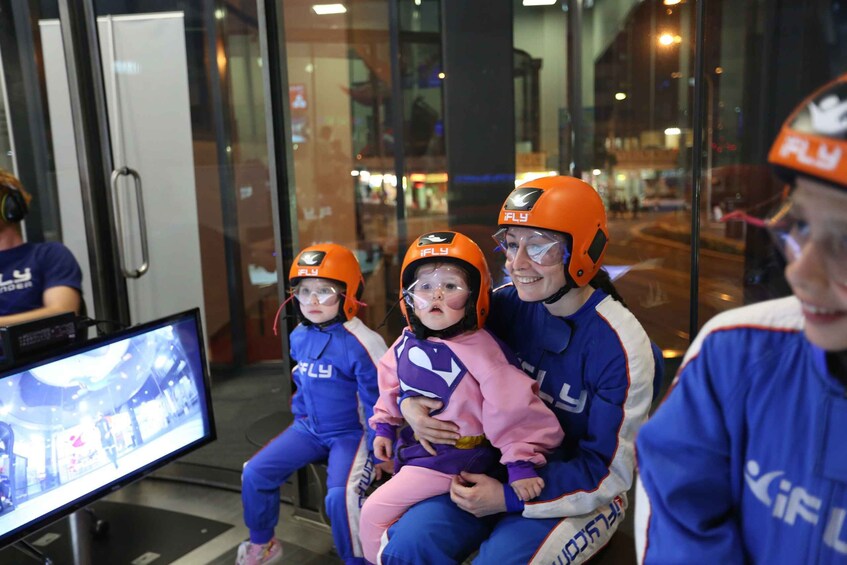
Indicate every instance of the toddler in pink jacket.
{"type": "Point", "coordinates": [446, 355]}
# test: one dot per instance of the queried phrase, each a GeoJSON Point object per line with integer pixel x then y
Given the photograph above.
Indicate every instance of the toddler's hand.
{"type": "Point", "coordinates": [527, 489]}
{"type": "Point", "coordinates": [384, 468]}
{"type": "Point", "coordinates": [383, 448]}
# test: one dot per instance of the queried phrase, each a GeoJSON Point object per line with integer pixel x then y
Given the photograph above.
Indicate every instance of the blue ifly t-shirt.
{"type": "Point", "coordinates": [27, 270]}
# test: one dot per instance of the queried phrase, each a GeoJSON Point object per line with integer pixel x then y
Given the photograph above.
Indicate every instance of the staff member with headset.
{"type": "Point", "coordinates": [36, 279]}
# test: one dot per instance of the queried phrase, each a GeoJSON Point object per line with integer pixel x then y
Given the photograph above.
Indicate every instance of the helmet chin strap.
{"type": "Point", "coordinates": [558, 294]}
{"type": "Point", "coordinates": [569, 284]}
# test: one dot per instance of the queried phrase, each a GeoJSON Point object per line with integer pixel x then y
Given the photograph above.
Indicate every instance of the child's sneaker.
{"type": "Point", "coordinates": [259, 554]}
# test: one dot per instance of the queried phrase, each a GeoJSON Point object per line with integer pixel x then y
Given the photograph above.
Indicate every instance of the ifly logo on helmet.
{"type": "Point", "coordinates": [519, 204]}
{"type": "Point", "coordinates": [311, 258]}
{"type": "Point", "coordinates": [435, 238]}
{"type": "Point", "coordinates": [829, 116]}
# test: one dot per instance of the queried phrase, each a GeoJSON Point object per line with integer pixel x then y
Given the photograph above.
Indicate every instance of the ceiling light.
{"type": "Point", "coordinates": [620, 96]}
{"type": "Point", "coordinates": [327, 9]}
{"type": "Point", "coordinates": [539, 2]}
{"type": "Point", "coordinates": [666, 39]}
{"type": "Point", "coordinates": [673, 131]}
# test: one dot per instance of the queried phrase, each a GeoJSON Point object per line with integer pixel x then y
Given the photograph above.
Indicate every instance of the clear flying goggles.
{"type": "Point", "coordinates": [443, 283]}
{"type": "Point", "coordinates": [792, 233]}
{"type": "Point", "coordinates": [325, 293]}
{"type": "Point", "coordinates": [541, 246]}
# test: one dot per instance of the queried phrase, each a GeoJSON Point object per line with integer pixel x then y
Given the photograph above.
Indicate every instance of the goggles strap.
{"type": "Point", "coordinates": [356, 300]}
{"type": "Point", "coordinates": [279, 310]}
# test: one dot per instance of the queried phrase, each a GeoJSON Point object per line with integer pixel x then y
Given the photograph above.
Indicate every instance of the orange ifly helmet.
{"type": "Point", "coordinates": [566, 205]}
{"type": "Point", "coordinates": [334, 262]}
{"type": "Point", "coordinates": [813, 140]}
{"type": "Point", "coordinates": [449, 247]}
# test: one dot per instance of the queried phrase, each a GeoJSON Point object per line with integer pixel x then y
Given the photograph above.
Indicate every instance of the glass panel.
{"type": "Point", "coordinates": [637, 85]}
{"type": "Point", "coordinates": [339, 74]}
{"type": "Point", "coordinates": [25, 147]}
{"type": "Point", "coordinates": [637, 99]}
{"type": "Point", "coordinates": [206, 190]}
{"type": "Point", "coordinates": [750, 91]}
{"type": "Point", "coordinates": [193, 126]}
{"type": "Point", "coordinates": [540, 94]}
{"type": "Point", "coordinates": [242, 81]}
{"type": "Point", "coordinates": [6, 155]}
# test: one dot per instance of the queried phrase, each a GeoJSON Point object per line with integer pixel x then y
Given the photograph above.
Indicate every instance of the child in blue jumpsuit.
{"type": "Point", "coordinates": [336, 382]}
{"type": "Point", "coordinates": [595, 369]}
{"type": "Point", "coordinates": [746, 459]}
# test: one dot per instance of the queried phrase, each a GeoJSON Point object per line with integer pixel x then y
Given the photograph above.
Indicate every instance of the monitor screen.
{"type": "Point", "coordinates": [85, 421]}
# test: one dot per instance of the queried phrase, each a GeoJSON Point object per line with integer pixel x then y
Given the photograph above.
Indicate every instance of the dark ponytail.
{"type": "Point", "coordinates": [603, 281]}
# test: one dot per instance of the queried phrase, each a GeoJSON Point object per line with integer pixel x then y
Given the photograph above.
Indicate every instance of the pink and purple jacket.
{"type": "Point", "coordinates": [482, 392]}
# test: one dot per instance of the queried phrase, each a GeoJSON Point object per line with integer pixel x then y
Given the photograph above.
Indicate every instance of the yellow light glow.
{"type": "Point", "coordinates": [596, 172]}
{"type": "Point", "coordinates": [673, 131]}
{"type": "Point", "coordinates": [718, 70]}
{"type": "Point", "coordinates": [620, 95]}
{"type": "Point", "coordinates": [221, 58]}
{"type": "Point", "coordinates": [666, 39]}
{"type": "Point", "coordinates": [672, 2]}
{"type": "Point", "coordinates": [521, 178]}
{"type": "Point", "coordinates": [328, 9]}
{"type": "Point", "coordinates": [441, 76]}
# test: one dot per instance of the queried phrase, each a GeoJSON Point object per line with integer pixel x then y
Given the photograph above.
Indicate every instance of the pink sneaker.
{"type": "Point", "coordinates": [259, 554]}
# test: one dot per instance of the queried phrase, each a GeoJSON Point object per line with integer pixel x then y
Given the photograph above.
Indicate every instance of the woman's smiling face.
{"type": "Point", "coordinates": [532, 280]}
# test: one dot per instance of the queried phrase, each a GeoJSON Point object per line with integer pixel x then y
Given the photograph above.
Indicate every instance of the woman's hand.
{"type": "Point", "coordinates": [428, 430]}
{"type": "Point", "coordinates": [478, 494]}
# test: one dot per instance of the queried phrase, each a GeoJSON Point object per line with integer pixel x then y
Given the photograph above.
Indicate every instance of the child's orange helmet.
{"type": "Point", "coordinates": [334, 262]}
{"type": "Point", "coordinates": [449, 247]}
{"type": "Point", "coordinates": [566, 205]}
{"type": "Point", "coordinates": [813, 140]}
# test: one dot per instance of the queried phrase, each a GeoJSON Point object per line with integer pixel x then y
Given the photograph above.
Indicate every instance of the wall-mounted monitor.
{"type": "Point", "coordinates": [85, 421]}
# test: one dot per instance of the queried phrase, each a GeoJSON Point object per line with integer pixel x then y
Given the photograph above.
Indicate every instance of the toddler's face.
{"type": "Point", "coordinates": [319, 299]}
{"type": "Point", "coordinates": [439, 293]}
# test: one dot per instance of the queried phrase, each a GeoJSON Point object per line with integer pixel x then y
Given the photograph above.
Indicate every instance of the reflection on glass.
{"type": "Point", "coordinates": [340, 84]}
{"type": "Point", "coordinates": [6, 156]}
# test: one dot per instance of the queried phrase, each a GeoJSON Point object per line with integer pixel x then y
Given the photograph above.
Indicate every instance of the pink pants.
{"type": "Point", "coordinates": [391, 500]}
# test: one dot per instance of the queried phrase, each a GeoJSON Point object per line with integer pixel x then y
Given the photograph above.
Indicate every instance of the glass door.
{"type": "Point", "coordinates": [190, 190]}
{"type": "Point", "coordinates": [190, 194]}
{"type": "Point", "coordinates": [153, 183]}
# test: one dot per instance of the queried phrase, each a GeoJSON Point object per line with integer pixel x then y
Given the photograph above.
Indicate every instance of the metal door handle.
{"type": "Point", "coordinates": [142, 222]}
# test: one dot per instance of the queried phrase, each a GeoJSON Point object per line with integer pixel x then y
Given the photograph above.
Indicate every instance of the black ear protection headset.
{"type": "Point", "coordinates": [13, 206]}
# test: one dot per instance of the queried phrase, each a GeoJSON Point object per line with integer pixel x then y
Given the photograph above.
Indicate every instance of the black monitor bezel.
{"type": "Point", "coordinates": [12, 536]}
